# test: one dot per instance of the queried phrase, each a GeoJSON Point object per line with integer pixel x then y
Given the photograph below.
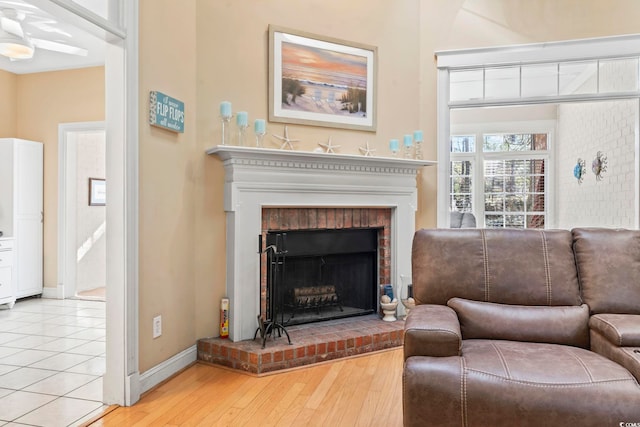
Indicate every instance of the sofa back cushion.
{"type": "Point", "coordinates": [566, 325]}
{"type": "Point", "coordinates": [525, 267]}
{"type": "Point", "coordinates": [608, 263]}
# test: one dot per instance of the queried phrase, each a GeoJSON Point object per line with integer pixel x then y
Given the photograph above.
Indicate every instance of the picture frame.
{"type": "Point", "coordinates": [97, 192]}
{"type": "Point", "coordinates": [321, 81]}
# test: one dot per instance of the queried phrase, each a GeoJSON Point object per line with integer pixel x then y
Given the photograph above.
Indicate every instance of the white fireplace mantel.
{"type": "Point", "coordinates": [258, 177]}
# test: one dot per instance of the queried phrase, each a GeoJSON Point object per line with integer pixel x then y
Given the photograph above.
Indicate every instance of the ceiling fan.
{"type": "Point", "coordinates": [16, 41]}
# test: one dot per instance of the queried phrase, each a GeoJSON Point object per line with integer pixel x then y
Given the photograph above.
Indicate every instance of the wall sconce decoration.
{"type": "Point", "coordinates": [599, 165]}
{"type": "Point", "coordinates": [580, 170]}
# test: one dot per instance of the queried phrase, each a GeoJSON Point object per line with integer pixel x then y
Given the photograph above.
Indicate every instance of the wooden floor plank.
{"type": "Point", "coordinates": [323, 388]}
{"type": "Point", "coordinates": [362, 391]}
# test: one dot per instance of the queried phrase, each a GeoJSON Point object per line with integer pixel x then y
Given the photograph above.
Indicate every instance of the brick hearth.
{"type": "Point", "coordinates": [311, 343]}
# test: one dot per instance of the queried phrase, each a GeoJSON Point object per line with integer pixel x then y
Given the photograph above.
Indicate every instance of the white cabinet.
{"type": "Point", "coordinates": [7, 288]}
{"type": "Point", "coordinates": [21, 214]}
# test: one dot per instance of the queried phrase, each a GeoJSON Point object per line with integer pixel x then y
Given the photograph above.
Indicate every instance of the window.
{"type": "Point", "coordinates": [509, 186]}
{"type": "Point", "coordinates": [461, 176]}
{"type": "Point", "coordinates": [565, 71]}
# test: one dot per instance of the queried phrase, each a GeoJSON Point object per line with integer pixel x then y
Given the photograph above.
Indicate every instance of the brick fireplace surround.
{"type": "Point", "coordinates": [273, 190]}
{"type": "Point", "coordinates": [292, 219]}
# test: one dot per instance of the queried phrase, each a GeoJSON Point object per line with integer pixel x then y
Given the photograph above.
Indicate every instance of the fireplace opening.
{"type": "Point", "coordinates": [327, 274]}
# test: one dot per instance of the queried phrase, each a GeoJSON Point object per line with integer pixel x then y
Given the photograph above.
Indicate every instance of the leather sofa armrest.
{"type": "Point", "coordinates": [432, 330]}
{"type": "Point", "coordinates": [622, 330]}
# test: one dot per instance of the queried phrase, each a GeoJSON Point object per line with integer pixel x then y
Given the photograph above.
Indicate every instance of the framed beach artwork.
{"type": "Point", "coordinates": [321, 81]}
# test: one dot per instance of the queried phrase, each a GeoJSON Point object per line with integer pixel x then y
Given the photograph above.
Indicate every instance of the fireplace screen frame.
{"type": "Point", "coordinates": [305, 218]}
{"type": "Point", "coordinates": [326, 274]}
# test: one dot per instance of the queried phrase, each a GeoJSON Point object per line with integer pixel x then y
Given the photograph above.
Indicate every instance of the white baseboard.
{"type": "Point", "coordinates": [166, 369]}
{"type": "Point", "coordinates": [48, 292]}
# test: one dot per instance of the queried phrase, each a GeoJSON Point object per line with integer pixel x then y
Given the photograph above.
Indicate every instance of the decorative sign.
{"type": "Point", "coordinates": [166, 112]}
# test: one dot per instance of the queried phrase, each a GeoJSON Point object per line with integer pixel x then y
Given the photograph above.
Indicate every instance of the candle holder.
{"type": "Point", "coordinates": [226, 124]}
{"type": "Point", "coordinates": [260, 130]}
{"type": "Point", "coordinates": [419, 150]}
{"type": "Point", "coordinates": [406, 294]}
{"type": "Point", "coordinates": [243, 123]}
{"type": "Point", "coordinates": [417, 137]}
{"type": "Point", "coordinates": [407, 152]}
{"type": "Point", "coordinates": [259, 138]}
{"type": "Point", "coordinates": [242, 131]}
{"type": "Point", "coordinates": [225, 116]}
{"type": "Point", "coordinates": [394, 147]}
{"type": "Point", "coordinates": [407, 142]}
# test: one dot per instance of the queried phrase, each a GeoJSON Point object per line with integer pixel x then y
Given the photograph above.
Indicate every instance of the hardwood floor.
{"type": "Point", "coordinates": [360, 391]}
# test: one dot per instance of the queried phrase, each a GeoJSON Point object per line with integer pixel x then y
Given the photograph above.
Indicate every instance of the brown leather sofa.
{"type": "Point", "coordinates": [523, 328]}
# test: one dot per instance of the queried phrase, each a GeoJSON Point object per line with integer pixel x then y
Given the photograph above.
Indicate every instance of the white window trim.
{"type": "Point", "coordinates": [534, 126]}
{"type": "Point", "coordinates": [539, 53]}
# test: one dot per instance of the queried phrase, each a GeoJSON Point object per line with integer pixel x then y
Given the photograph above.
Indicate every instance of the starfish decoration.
{"type": "Point", "coordinates": [286, 141]}
{"type": "Point", "coordinates": [366, 150]}
{"type": "Point", "coordinates": [328, 147]}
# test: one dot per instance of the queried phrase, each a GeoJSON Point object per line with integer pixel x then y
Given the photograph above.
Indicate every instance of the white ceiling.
{"type": "Point", "coordinates": [54, 30]}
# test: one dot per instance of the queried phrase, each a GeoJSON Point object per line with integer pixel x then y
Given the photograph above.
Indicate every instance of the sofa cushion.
{"type": "Point", "coordinates": [622, 330]}
{"type": "Point", "coordinates": [455, 219]}
{"type": "Point", "coordinates": [555, 325]}
{"type": "Point", "coordinates": [507, 383]}
{"type": "Point", "coordinates": [608, 263]}
{"type": "Point", "coordinates": [526, 267]}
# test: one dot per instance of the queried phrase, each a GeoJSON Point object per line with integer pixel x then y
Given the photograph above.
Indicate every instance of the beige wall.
{"type": "Point", "coordinates": [44, 100]}
{"type": "Point", "coordinates": [31, 107]}
{"type": "Point", "coordinates": [8, 95]}
{"type": "Point", "coordinates": [170, 172]}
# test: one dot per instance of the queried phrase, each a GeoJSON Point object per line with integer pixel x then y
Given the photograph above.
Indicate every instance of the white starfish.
{"type": "Point", "coordinates": [367, 151]}
{"type": "Point", "coordinates": [328, 147]}
{"type": "Point", "coordinates": [286, 141]}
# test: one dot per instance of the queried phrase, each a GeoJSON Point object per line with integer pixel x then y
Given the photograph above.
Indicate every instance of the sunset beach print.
{"type": "Point", "coordinates": [323, 81]}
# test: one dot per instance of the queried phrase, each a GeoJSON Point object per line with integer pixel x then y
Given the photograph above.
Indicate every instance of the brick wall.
{"type": "Point", "coordinates": [583, 130]}
{"type": "Point", "coordinates": [286, 219]}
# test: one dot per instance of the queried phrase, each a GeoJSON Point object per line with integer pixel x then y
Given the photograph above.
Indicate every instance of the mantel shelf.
{"type": "Point", "coordinates": [226, 152]}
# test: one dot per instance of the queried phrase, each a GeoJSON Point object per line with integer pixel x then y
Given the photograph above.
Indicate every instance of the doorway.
{"type": "Point", "coordinates": [119, 28]}
{"type": "Point", "coordinates": [81, 217]}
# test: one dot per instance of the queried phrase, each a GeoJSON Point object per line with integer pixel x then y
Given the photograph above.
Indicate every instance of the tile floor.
{"type": "Point", "coordinates": [52, 358]}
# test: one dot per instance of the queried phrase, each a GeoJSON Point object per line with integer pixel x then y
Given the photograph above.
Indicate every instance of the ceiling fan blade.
{"type": "Point", "coordinates": [59, 47]}
{"type": "Point", "coordinates": [45, 25]}
{"type": "Point", "coordinates": [11, 26]}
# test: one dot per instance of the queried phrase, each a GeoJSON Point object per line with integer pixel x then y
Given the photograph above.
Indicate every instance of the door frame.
{"type": "Point", "coordinates": [66, 287]}
{"type": "Point", "coordinates": [121, 382]}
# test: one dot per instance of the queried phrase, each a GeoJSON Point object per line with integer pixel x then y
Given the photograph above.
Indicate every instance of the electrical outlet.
{"type": "Point", "coordinates": [157, 326]}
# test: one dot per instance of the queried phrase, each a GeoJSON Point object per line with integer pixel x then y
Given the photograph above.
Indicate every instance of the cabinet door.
{"type": "Point", "coordinates": [29, 176]}
{"type": "Point", "coordinates": [5, 283]}
{"type": "Point", "coordinates": [28, 220]}
{"type": "Point", "coordinates": [28, 261]}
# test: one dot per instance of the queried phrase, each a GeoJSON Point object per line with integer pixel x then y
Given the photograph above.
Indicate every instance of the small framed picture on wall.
{"type": "Point", "coordinates": [97, 192]}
